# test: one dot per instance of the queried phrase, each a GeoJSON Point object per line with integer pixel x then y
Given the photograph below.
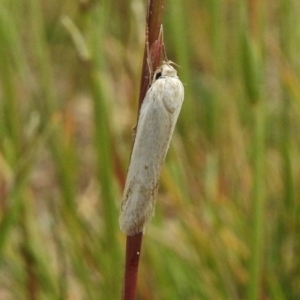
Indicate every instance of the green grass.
{"type": "Point", "coordinates": [228, 211]}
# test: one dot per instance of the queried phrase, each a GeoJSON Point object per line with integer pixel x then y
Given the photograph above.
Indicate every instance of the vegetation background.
{"type": "Point", "coordinates": [227, 218]}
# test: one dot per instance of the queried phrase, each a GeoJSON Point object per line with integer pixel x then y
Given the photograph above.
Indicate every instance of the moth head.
{"type": "Point", "coordinates": [165, 70]}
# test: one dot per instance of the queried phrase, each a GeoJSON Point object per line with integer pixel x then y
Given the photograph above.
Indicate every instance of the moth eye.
{"type": "Point", "coordinates": [158, 75]}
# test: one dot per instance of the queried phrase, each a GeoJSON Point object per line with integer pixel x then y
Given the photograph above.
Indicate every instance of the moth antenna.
{"type": "Point", "coordinates": [161, 35]}
{"type": "Point", "coordinates": [149, 59]}
{"type": "Point", "coordinates": [170, 62]}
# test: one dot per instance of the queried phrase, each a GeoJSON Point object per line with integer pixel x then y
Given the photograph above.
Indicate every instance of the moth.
{"type": "Point", "coordinates": [158, 116]}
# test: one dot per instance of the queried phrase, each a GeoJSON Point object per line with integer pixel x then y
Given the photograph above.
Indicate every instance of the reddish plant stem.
{"type": "Point", "coordinates": [153, 43]}
{"type": "Point", "coordinates": [133, 251]}
{"type": "Point", "coordinates": [154, 19]}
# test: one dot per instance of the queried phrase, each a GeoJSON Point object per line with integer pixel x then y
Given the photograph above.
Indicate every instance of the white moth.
{"type": "Point", "coordinates": [157, 119]}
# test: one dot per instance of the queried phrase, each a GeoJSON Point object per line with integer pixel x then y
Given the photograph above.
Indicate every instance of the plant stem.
{"type": "Point", "coordinates": [259, 203]}
{"type": "Point", "coordinates": [154, 43]}
{"type": "Point", "coordinates": [133, 251]}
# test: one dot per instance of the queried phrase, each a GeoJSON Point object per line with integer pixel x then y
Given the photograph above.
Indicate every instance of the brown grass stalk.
{"type": "Point", "coordinates": [153, 55]}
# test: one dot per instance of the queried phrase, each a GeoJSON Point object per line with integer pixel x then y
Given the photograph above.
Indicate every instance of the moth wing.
{"type": "Point", "coordinates": [173, 97]}
{"type": "Point", "coordinates": [155, 127]}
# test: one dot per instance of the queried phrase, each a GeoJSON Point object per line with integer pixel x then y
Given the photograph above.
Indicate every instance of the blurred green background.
{"type": "Point", "coordinates": [227, 217]}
